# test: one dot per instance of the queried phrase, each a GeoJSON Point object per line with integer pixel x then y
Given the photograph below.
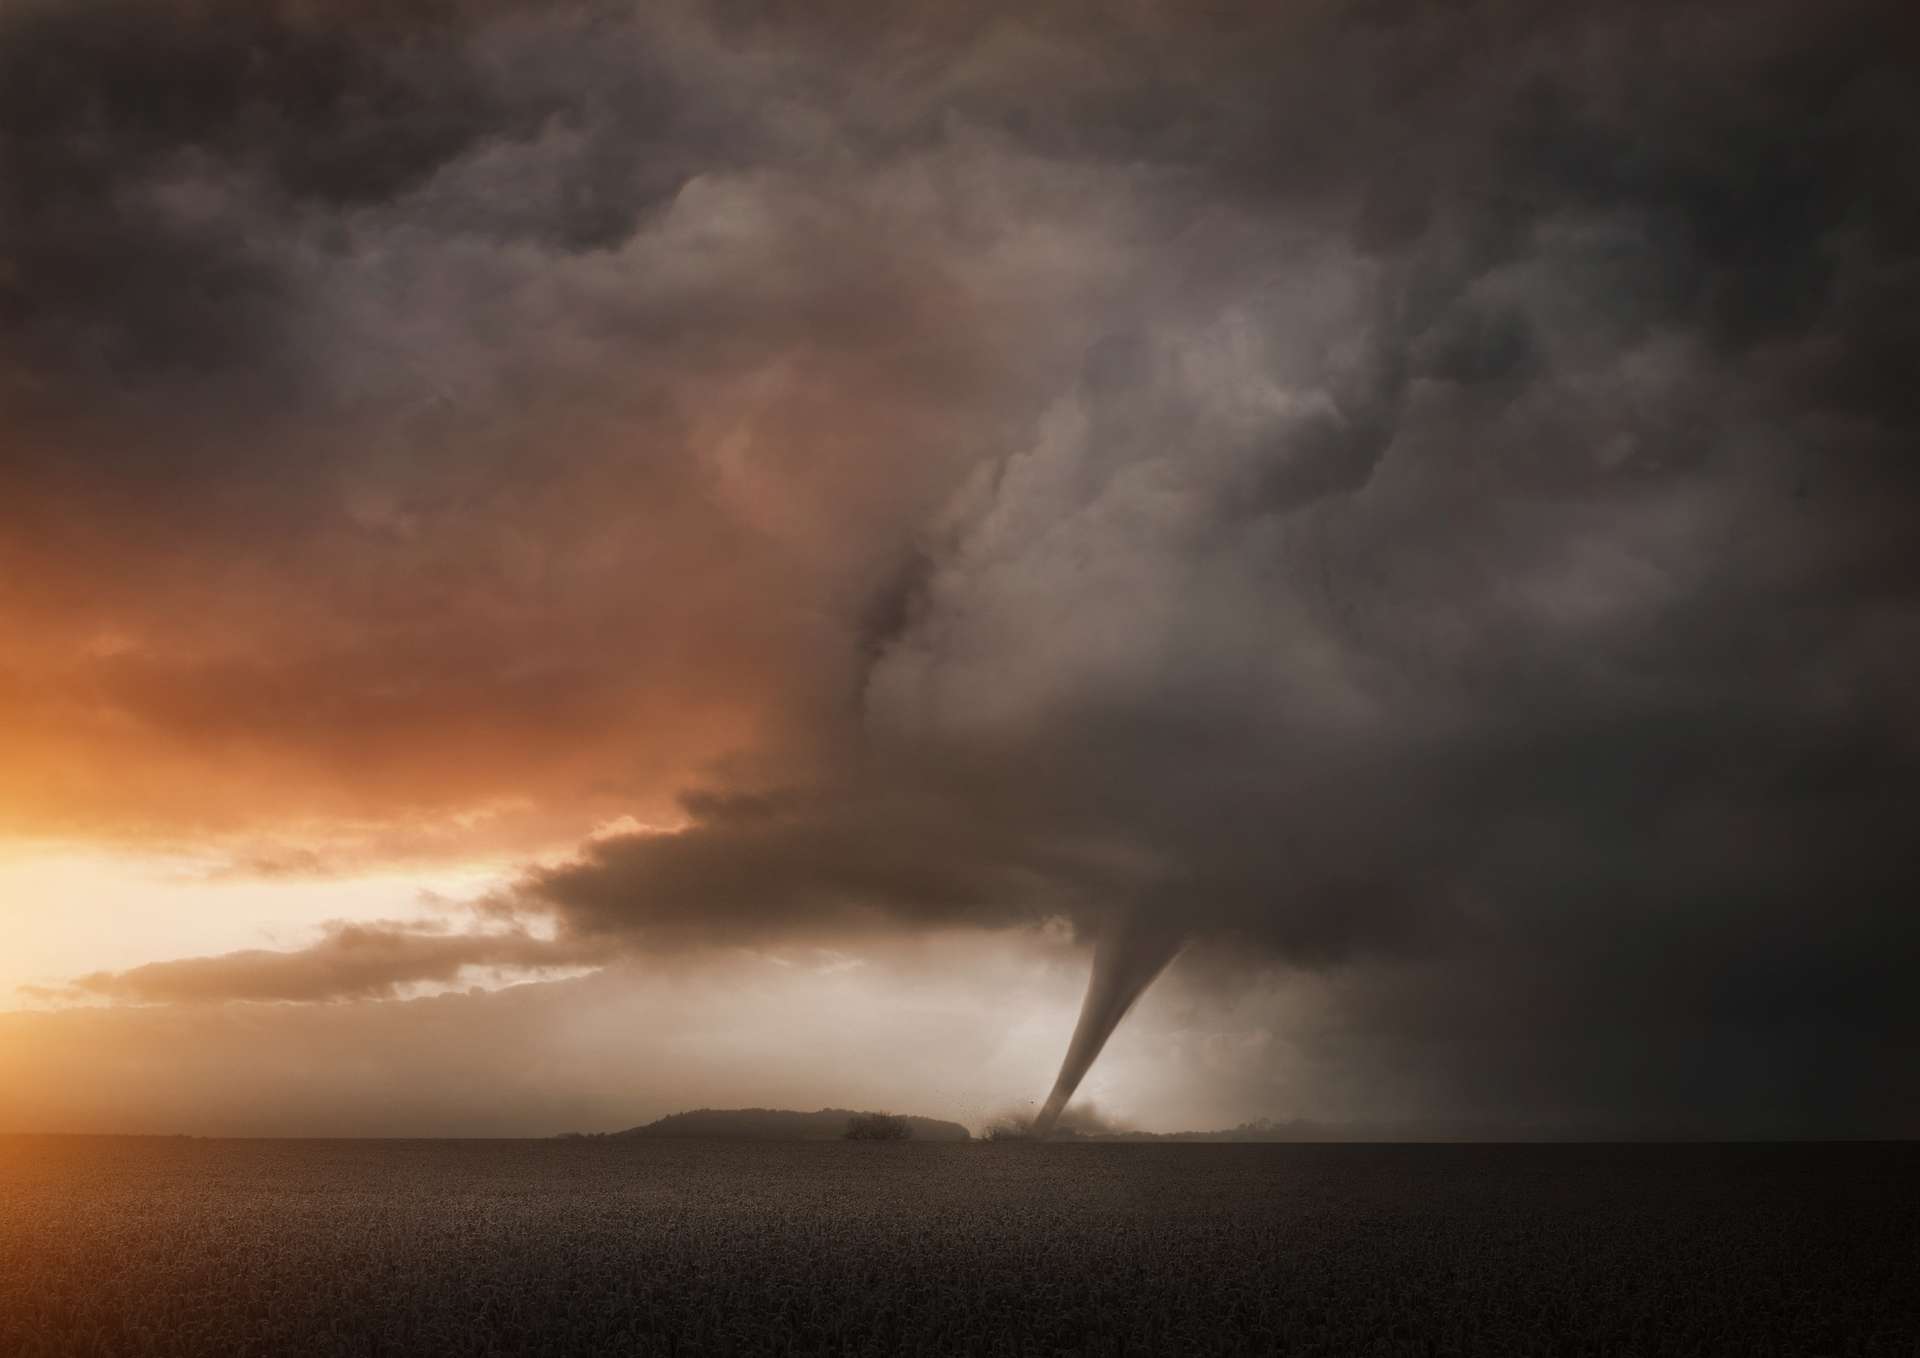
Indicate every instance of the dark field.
{"type": "Point", "coordinates": [211, 1247]}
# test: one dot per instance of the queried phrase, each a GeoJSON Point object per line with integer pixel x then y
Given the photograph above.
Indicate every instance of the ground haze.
{"type": "Point", "coordinates": [185, 1246]}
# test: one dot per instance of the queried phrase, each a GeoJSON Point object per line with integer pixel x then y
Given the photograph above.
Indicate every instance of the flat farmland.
{"type": "Point", "coordinates": [182, 1246]}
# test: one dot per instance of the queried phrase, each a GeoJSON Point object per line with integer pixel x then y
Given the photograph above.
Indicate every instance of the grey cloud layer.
{"type": "Point", "coordinates": [372, 960]}
{"type": "Point", "coordinates": [1366, 482]}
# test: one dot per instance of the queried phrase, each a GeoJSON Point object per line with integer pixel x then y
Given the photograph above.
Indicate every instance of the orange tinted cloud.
{"type": "Point", "coordinates": [620, 600]}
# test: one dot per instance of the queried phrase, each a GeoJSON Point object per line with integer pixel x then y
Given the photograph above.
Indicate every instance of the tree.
{"type": "Point", "coordinates": [878, 1127]}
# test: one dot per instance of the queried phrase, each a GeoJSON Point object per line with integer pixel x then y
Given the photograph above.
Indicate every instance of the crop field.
{"type": "Point", "coordinates": [114, 1246]}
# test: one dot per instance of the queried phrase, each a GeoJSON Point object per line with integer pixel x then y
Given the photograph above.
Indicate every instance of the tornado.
{"type": "Point", "coordinates": [1130, 952]}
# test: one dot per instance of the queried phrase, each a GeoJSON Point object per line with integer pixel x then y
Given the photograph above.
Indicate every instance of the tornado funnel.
{"type": "Point", "coordinates": [1131, 951]}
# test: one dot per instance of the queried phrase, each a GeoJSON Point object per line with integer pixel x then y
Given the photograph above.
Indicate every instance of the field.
{"type": "Point", "coordinates": [282, 1248]}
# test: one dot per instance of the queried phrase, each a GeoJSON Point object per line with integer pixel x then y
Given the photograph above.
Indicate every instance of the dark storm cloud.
{"type": "Point", "coordinates": [151, 152]}
{"type": "Point", "coordinates": [1492, 575]}
{"type": "Point", "coordinates": [1369, 483]}
{"type": "Point", "coordinates": [759, 863]}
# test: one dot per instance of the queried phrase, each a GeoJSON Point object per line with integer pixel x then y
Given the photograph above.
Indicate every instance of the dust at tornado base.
{"type": "Point", "coordinates": [183, 1246]}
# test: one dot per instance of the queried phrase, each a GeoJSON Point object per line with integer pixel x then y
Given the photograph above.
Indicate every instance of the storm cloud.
{"type": "Point", "coordinates": [374, 960]}
{"type": "Point", "coordinates": [1414, 494]}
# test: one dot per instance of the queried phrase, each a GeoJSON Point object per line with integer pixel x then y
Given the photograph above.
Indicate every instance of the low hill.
{"type": "Point", "coordinates": [780, 1124]}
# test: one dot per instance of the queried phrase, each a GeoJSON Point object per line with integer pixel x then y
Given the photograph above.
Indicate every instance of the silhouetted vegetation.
{"type": "Point", "coordinates": [878, 1127]}
{"type": "Point", "coordinates": [782, 1124]}
{"type": "Point", "coordinates": [609, 1245]}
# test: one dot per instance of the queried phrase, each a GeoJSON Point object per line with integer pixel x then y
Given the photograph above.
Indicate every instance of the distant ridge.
{"type": "Point", "coordinates": [780, 1124]}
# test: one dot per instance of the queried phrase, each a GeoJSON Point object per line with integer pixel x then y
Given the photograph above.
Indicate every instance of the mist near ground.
{"type": "Point", "coordinates": [921, 1029]}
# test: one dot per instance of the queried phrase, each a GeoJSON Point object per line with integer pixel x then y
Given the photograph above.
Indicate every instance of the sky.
{"type": "Point", "coordinates": [564, 562]}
